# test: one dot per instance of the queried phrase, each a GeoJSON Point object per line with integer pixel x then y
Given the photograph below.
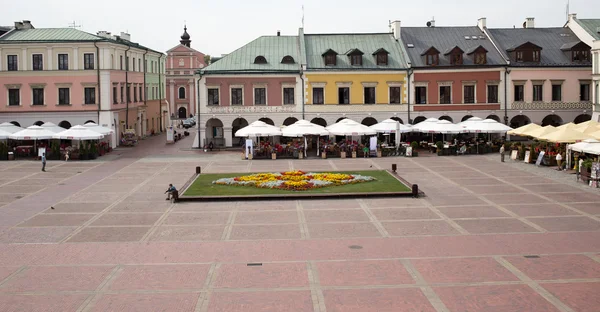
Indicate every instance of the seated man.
{"type": "Point", "coordinates": [170, 191]}
{"type": "Point", "coordinates": [463, 149]}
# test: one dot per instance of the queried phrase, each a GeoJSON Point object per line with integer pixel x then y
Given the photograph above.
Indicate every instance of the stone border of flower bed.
{"type": "Point", "coordinates": [415, 192]}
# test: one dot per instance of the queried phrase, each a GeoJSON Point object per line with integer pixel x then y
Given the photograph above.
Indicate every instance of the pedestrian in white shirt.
{"type": "Point", "coordinates": [558, 161]}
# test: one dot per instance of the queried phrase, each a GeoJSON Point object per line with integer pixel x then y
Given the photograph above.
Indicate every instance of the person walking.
{"type": "Point", "coordinates": [44, 162]}
{"type": "Point", "coordinates": [558, 161]}
{"type": "Point", "coordinates": [502, 153]}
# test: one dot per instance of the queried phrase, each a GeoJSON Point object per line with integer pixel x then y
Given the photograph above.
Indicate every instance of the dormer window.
{"type": "Point", "coordinates": [356, 57]}
{"type": "Point", "coordinates": [479, 55]}
{"type": "Point", "coordinates": [432, 56]}
{"type": "Point", "coordinates": [381, 57]}
{"type": "Point", "coordinates": [287, 60]}
{"type": "Point", "coordinates": [330, 57]}
{"type": "Point", "coordinates": [580, 55]}
{"type": "Point", "coordinates": [260, 60]}
{"type": "Point", "coordinates": [527, 52]}
{"type": "Point", "coordinates": [456, 55]}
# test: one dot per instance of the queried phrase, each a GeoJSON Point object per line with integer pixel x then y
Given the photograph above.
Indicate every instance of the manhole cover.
{"type": "Point", "coordinates": [254, 264]}
{"type": "Point", "coordinates": [18, 197]}
{"type": "Point", "coordinates": [355, 247]}
{"type": "Point", "coordinates": [532, 257]}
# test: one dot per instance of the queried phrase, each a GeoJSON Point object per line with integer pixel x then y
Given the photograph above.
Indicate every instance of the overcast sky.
{"type": "Point", "coordinates": [218, 27]}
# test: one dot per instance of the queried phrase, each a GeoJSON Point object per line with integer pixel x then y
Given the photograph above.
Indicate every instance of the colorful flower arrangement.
{"type": "Point", "coordinates": [294, 180]}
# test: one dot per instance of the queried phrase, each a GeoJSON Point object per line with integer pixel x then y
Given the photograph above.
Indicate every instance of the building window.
{"type": "Point", "coordinates": [14, 97]}
{"type": "Point", "coordinates": [140, 93]}
{"type": "Point", "coordinates": [128, 93]}
{"type": "Point", "coordinates": [492, 94]}
{"type": "Point", "coordinates": [580, 55]}
{"type": "Point", "coordinates": [318, 96]}
{"type": "Point", "coordinates": [469, 94]}
{"type": "Point", "coordinates": [395, 95]}
{"type": "Point", "coordinates": [63, 96]}
{"type": "Point", "coordinates": [456, 59]}
{"type": "Point", "coordinates": [288, 60]}
{"type": "Point", "coordinates": [13, 63]}
{"type": "Point", "coordinates": [369, 95]}
{"type": "Point", "coordinates": [115, 95]}
{"type": "Point", "coordinates": [121, 62]}
{"type": "Point", "coordinates": [122, 94]}
{"type": "Point", "coordinates": [63, 62]}
{"type": "Point", "coordinates": [538, 92]}
{"type": "Point", "coordinates": [134, 94]}
{"type": "Point", "coordinates": [356, 59]}
{"type": "Point", "coordinates": [38, 96]}
{"type": "Point", "coordinates": [260, 96]}
{"type": "Point", "coordinates": [182, 92]}
{"type": "Point", "coordinates": [127, 63]}
{"type": "Point", "coordinates": [90, 95]}
{"type": "Point", "coordinates": [382, 59]}
{"type": "Point", "coordinates": [584, 92]}
{"type": "Point", "coordinates": [330, 59]}
{"type": "Point", "coordinates": [288, 96]}
{"type": "Point", "coordinates": [139, 64]}
{"type": "Point", "coordinates": [88, 61]}
{"type": "Point", "coordinates": [420, 95]}
{"type": "Point", "coordinates": [519, 56]}
{"type": "Point", "coordinates": [519, 93]}
{"type": "Point", "coordinates": [536, 56]}
{"type": "Point", "coordinates": [445, 94]}
{"type": "Point", "coordinates": [133, 64]}
{"type": "Point", "coordinates": [480, 58]}
{"type": "Point", "coordinates": [213, 96]}
{"type": "Point", "coordinates": [432, 59]}
{"type": "Point", "coordinates": [258, 60]}
{"type": "Point", "coordinates": [556, 92]}
{"type": "Point", "coordinates": [38, 62]}
{"type": "Point", "coordinates": [237, 96]}
{"type": "Point", "coordinates": [344, 95]}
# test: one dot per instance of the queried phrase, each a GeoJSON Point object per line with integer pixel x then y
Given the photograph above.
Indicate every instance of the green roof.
{"type": "Point", "coordinates": [317, 44]}
{"type": "Point", "coordinates": [272, 48]}
{"type": "Point", "coordinates": [592, 26]}
{"type": "Point", "coordinates": [48, 35]}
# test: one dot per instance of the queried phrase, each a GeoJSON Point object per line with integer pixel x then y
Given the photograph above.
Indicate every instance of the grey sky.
{"type": "Point", "coordinates": [220, 27]}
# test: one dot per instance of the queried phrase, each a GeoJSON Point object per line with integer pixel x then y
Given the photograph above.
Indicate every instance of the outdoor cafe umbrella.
{"type": "Point", "coordinates": [52, 127]}
{"type": "Point", "coordinates": [391, 126]}
{"type": "Point", "coordinates": [486, 126]}
{"type": "Point", "coordinates": [536, 133]}
{"type": "Point", "coordinates": [10, 128]}
{"type": "Point", "coordinates": [439, 126]}
{"type": "Point", "coordinates": [350, 127]}
{"type": "Point", "coordinates": [301, 128]}
{"type": "Point", "coordinates": [98, 128]}
{"type": "Point", "coordinates": [565, 135]}
{"type": "Point", "coordinates": [4, 134]}
{"type": "Point", "coordinates": [32, 133]}
{"type": "Point", "coordinates": [469, 121]}
{"type": "Point", "coordinates": [258, 129]}
{"type": "Point", "coordinates": [521, 131]}
{"type": "Point", "coordinates": [586, 146]}
{"type": "Point", "coordinates": [79, 133]}
{"type": "Point", "coordinates": [586, 124]}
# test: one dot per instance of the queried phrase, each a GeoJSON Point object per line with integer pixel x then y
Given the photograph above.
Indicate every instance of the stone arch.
{"type": "Point", "coordinates": [182, 113]}
{"type": "Point", "coordinates": [214, 132]}
{"type": "Point", "coordinates": [268, 121]}
{"type": "Point", "coordinates": [493, 117]}
{"type": "Point", "coordinates": [519, 121]}
{"type": "Point", "coordinates": [419, 119]}
{"type": "Point", "coordinates": [582, 118]}
{"type": "Point", "coordinates": [446, 117]}
{"type": "Point", "coordinates": [466, 117]}
{"type": "Point", "coordinates": [369, 121]}
{"type": "Point", "coordinates": [340, 119]}
{"type": "Point", "coordinates": [553, 120]}
{"type": "Point", "coordinates": [38, 123]}
{"type": "Point", "coordinates": [65, 124]}
{"type": "Point", "coordinates": [236, 125]}
{"type": "Point", "coordinates": [89, 121]}
{"type": "Point", "coordinates": [397, 119]}
{"type": "Point", "coordinates": [15, 123]}
{"type": "Point", "coordinates": [319, 121]}
{"type": "Point", "coordinates": [290, 121]}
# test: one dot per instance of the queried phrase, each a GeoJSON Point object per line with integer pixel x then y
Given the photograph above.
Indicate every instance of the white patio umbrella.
{"type": "Point", "coordinates": [350, 127]}
{"type": "Point", "coordinates": [4, 134]}
{"type": "Point", "coordinates": [437, 126]}
{"type": "Point", "coordinates": [52, 127]}
{"type": "Point", "coordinates": [10, 128]}
{"type": "Point", "coordinates": [302, 128]}
{"type": "Point", "coordinates": [391, 126]}
{"type": "Point", "coordinates": [98, 128]}
{"type": "Point", "coordinates": [79, 133]}
{"type": "Point", "coordinates": [585, 145]}
{"type": "Point", "coordinates": [486, 126]}
{"type": "Point", "coordinates": [32, 133]}
{"type": "Point", "coordinates": [258, 129]}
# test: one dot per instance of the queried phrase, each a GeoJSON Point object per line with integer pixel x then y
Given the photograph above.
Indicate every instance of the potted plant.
{"type": "Point", "coordinates": [440, 148]}
{"type": "Point", "coordinates": [414, 146]}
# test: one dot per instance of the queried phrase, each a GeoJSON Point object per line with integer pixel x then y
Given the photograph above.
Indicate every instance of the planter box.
{"type": "Point", "coordinates": [379, 154]}
{"type": "Point", "coordinates": [353, 154]}
{"type": "Point", "coordinates": [300, 155]}
{"type": "Point", "coordinates": [343, 155]}
{"type": "Point", "coordinates": [273, 156]}
{"type": "Point", "coordinates": [324, 155]}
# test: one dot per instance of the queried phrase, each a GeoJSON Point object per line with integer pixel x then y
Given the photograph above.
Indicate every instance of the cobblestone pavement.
{"type": "Point", "coordinates": [488, 236]}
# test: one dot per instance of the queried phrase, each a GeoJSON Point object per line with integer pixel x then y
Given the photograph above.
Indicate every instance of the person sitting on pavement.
{"type": "Point", "coordinates": [170, 191]}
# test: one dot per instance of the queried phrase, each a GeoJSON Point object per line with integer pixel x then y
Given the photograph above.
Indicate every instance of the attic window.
{"type": "Point", "coordinates": [381, 56]}
{"type": "Point", "coordinates": [455, 55]}
{"type": "Point", "coordinates": [356, 57]}
{"type": "Point", "coordinates": [527, 52]}
{"type": "Point", "coordinates": [330, 57]}
{"type": "Point", "coordinates": [432, 56]}
{"type": "Point", "coordinates": [410, 45]}
{"type": "Point", "coordinates": [288, 60]}
{"type": "Point", "coordinates": [580, 55]}
{"type": "Point", "coordinates": [260, 60]}
{"type": "Point", "coordinates": [479, 55]}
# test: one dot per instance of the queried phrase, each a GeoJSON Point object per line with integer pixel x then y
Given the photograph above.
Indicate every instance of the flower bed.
{"type": "Point", "coordinates": [294, 180]}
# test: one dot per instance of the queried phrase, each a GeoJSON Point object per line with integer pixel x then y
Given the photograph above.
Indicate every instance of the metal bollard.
{"type": "Point", "coordinates": [415, 190]}
{"type": "Point", "coordinates": [198, 170]}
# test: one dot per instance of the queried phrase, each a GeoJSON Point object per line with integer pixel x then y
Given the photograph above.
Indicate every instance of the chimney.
{"type": "Point", "coordinates": [104, 34]}
{"type": "Point", "coordinates": [482, 23]}
{"type": "Point", "coordinates": [530, 22]}
{"type": "Point", "coordinates": [125, 36]}
{"type": "Point", "coordinates": [572, 16]}
{"type": "Point", "coordinates": [395, 28]}
{"type": "Point", "coordinates": [278, 33]}
{"type": "Point", "coordinates": [23, 25]}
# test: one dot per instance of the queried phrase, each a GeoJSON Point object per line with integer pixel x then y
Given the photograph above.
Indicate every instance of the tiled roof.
{"type": "Point", "coordinates": [445, 39]}
{"type": "Point", "coordinates": [591, 26]}
{"type": "Point", "coordinates": [272, 48]}
{"type": "Point", "coordinates": [317, 44]}
{"type": "Point", "coordinates": [551, 40]}
{"type": "Point", "coordinates": [49, 35]}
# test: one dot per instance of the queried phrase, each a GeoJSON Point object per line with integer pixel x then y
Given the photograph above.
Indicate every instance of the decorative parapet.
{"type": "Point", "coordinates": [251, 109]}
{"type": "Point", "coordinates": [551, 106]}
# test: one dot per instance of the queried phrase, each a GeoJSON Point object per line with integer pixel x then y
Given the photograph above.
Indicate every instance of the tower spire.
{"type": "Point", "coordinates": [185, 38]}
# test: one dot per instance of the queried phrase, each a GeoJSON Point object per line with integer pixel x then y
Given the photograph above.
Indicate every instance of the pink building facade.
{"type": "Point", "coordinates": [182, 62]}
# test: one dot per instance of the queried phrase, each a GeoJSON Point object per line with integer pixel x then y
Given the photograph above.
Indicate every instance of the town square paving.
{"type": "Point", "coordinates": [488, 236]}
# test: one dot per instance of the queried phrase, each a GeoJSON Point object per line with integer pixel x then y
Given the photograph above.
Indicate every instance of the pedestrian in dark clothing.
{"type": "Point", "coordinates": [210, 146]}
{"type": "Point", "coordinates": [170, 191]}
{"type": "Point", "coordinates": [44, 162]}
